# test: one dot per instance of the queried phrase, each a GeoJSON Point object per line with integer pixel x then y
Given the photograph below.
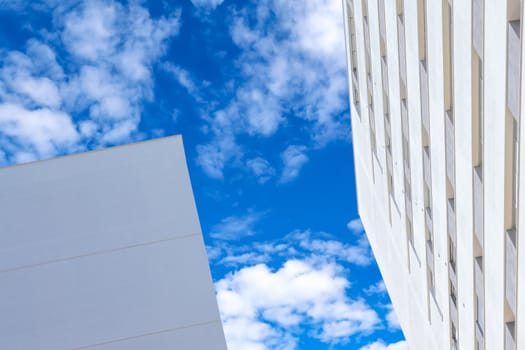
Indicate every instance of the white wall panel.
{"type": "Point", "coordinates": [104, 249]}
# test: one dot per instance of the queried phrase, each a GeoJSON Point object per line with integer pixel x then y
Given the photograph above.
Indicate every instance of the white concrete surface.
{"type": "Point", "coordinates": [424, 316]}
{"type": "Point", "coordinates": [104, 250]}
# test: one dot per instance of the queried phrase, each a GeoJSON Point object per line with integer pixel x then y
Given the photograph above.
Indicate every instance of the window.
{"type": "Point", "coordinates": [479, 312]}
{"type": "Point", "coordinates": [452, 254]}
{"type": "Point", "coordinates": [447, 55]}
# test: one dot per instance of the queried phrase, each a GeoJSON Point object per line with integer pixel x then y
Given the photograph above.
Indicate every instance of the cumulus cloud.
{"type": "Point", "coordinates": [293, 52]}
{"type": "Point", "coordinates": [206, 4]}
{"type": "Point", "coordinates": [185, 79]}
{"type": "Point", "coordinates": [377, 288]}
{"type": "Point", "coordinates": [261, 307]}
{"type": "Point", "coordinates": [236, 227]}
{"type": "Point", "coordinates": [356, 226]}
{"type": "Point", "coordinates": [291, 70]}
{"type": "Point", "coordinates": [214, 156]}
{"type": "Point", "coordinates": [319, 247]}
{"type": "Point", "coordinates": [380, 345]}
{"type": "Point", "coordinates": [30, 78]}
{"type": "Point", "coordinates": [260, 168]}
{"type": "Point", "coordinates": [115, 47]}
{"type": "Point", "coordinates": [294, 158]}
{"type": "Point", "coordinates": [358, 254]}
{"type": "Point", "coordinates": [110, 49]}
{"type": "Point", "coordinates": [42, 132]}
{"type": "Point", "coordinates": [280, 287]}
{"type": "Point", "coordinates": [391, 318]}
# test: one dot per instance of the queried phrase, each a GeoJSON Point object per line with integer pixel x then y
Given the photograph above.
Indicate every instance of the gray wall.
{"type": "Point", "coordinates": [104, 250]}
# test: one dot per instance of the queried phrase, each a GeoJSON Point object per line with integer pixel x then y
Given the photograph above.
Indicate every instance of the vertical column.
{"type": "Point", "coordinates": [511, 168]}
{"type": "Point", "coordinates": [370, 87]}
{"type": "Point", "coordinates": [477, 173]}
{"type": "Point", "coordinates": [425, 135]}
{"type": "Point", "coordinates": [354, 69]}
{"type": "Point", "coordinates": [369, 83]}
{"type": "Point", "coordinates": [386, 106]}
{"type": "Point", "coordinates": [448, 74]}
{"type": "Point", "coordinates": [407, 177]}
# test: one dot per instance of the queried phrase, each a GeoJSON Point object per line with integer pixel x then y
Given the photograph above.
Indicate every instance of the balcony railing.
{"type": "Point", "coordinates": [478, 204]}
{"type": "Point", "coordinates": [477, 26]}
{"type": "Point", "coordinates": [353, 50]}
{"type": "Point", "coordinates": [451, 219]}
{"type": "Point", "coordinates": [479, 337]}
{"type": "Point", "coordinates": [388, 136]}
{"type": "Point", "coordinates": [389, 164]}
{"type": "Point", "coordinates": [367, 62]}
{"type": "Point", "coordinates": [402, 51]}
{"type": "Point", "coordinates": [430, 255]}
{"type": "Point", "coordinates": [510, 343]}
{"type": "Point", "coordinates": [510, 269]}
{"type": "Point", "coordinates": [404, 119]}
{"type": "Point", "coordinates": [355, 80]}
{"type": "Point", "coordinates": [408, 205]}
{"type": "Point", "coordinates": [351, 7]}
{"type": "Point", "coordinates": [426, 166]}
{"type": "Point", "coordinates": [478, 277]}
{"type": "Point", "coordinates": [513, 67]}
{"type": "Point", "coordinates": [384, 72]}
{"type": "Point", "coordinates": [423, 79]}
{"type": "Point", "coordinates": [479, 300]}
{"type": "Point", "coordinates": [382, 29]}
{"type": "Point", "coordinates": [453, 311]}
{"type": "Point", "coordinates": [450, 149]}
{"type": "Point", "coordinates": [428, 219]}
{"type": "Point", "coordinates": [370, 84]}
{"type": "Point", "coordinates": [452, 274]}
{"type": "Point", "coordinates": [408, 190]}
{"type": "Point", "coordinates": [371, 121]}
{"type": "Point", "coordinates": [366, 34]}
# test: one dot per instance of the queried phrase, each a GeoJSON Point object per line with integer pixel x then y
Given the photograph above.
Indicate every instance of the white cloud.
{"type": "Point", "coordinates": [43, 91]}
{"type": "Point", "coordinates": [244, 259]}
{"type": "Point", "coordinates": [90, 31]}
{"type": "Point", "coordinates": [261, 307]}
{"type": "Point", "coordinates": [43, 132]}
{"type": "Point", "coordinates": [20, 74]}
{"type": "Point", "coordinates": [235, 227]}
{"type": "Point", "coordinates": [316, 247]}
{"type": "Point", "coordinates": [304, 66]}
{"type": "Point", "coordinates": [356, 226]}
{"type": "Point", "coordinates": [214, 156]}
{"type": "Point", "coordinates": [391, 318]}
{"type": "Point", "coordinates": [110, 50]}
{"type": "Point", "coordinates": [116, 46]}
{"type": "Point", "coordinates": [377, 288]}
{"type": "Point", "coordinates": [206, 4]}
{"type": "Point", "coordinates": [261, 113]}
{"type": "Point", "coordinates": [380, 345]}
{"type": "Point", "coordinates": [261, 168]}
{"type": "Point", "coordinates": [291, 69]}
{"type": "Point", "coordinates": [358, 254]}
{"type": "Point", "coordinates": [185, 79]}
{"type": "Point", "coordinates": [295, 284]}
{"type": "Point", "coordinates": [294, 158]}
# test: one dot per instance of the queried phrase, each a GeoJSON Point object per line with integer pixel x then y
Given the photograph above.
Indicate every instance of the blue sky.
{"type": "Point", "coordinates": [259, 91]}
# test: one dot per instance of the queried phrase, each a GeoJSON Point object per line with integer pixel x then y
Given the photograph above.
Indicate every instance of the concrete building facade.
{"type": "Point", "coordinates": [103, 250]}
{"type": "Point", "coordinates": [436, 95]}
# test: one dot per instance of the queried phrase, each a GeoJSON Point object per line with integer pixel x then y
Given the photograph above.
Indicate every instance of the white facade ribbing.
{"type": "Point", "coordinates": [436, 93]}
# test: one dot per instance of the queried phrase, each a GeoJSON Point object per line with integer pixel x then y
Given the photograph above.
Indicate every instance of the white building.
{"type": "Point", "coordinates": [436, 92]}
{"type": "Point", "coordinates": [103, 250]}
